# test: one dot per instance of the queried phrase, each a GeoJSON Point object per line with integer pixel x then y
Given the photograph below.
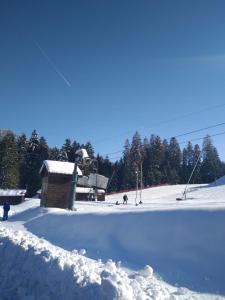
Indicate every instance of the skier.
{"type": "Point", "coordinates": [125, 198]}
{"type": "Point", "coordinates": [6, 208]}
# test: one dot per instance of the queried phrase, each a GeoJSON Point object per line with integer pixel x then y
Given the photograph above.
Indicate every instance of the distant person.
{"type": "Point", "coordinates": [125, 199]}
{"type": "Point", "coordinates": [6, 209]}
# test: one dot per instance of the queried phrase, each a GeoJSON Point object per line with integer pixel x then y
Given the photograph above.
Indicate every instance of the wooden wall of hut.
{"type": "Point", "coordinates": [56, 190]}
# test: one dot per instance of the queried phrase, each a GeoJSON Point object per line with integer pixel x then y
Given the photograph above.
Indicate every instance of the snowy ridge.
{"type": "Point", "coordinates": [70, 275]}
{"type": "Point", "coordinates": [220, 181]}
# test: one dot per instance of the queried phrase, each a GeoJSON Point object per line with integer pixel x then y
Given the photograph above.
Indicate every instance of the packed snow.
{"type": "Point", "coordinates": [12, 192]}
{"type": "Point", "coordinates": [59, 167]}
{"type": "Point", "coordinates": [161, 249]}
{"type": "Point", "coordinates": [220, 181]}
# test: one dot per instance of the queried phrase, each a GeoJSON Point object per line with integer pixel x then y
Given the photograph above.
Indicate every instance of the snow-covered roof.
{"type": "Point", "coordinates": [12, 192]}
{"type": "Point", "coordinates": [59, 167]}
{"type": "Point", "coordinates": [86, 190]}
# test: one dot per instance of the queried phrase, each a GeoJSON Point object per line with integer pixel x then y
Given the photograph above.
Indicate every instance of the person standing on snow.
{"type": "Point", "coordinates": [6, 208]}
{"type": "Point", "coordinates": [125, 198]}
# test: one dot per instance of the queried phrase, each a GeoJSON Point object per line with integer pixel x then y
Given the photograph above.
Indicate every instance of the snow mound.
{"type": "Point", "coordinates": [220, 181]}
{"type": "Point", "coordinates": [50, 272]}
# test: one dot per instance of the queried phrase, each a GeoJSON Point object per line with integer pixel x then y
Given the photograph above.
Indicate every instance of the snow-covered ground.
{"type": "Point", "coordinates": [161, 249]}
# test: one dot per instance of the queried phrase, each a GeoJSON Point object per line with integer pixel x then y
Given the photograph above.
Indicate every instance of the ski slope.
{"type": "Point", "coordinates": [162, 249]}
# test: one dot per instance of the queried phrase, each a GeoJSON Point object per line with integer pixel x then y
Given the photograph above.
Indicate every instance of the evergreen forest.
{"type": "Point", "coordinates": [148, 162]}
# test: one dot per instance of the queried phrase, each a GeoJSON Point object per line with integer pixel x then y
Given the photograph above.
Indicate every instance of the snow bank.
{"type": "Point", "coordinates": [182, 240]}
{"type": "Point", "coordinates": [220, 181]}
{"type": "Point", "coordinates": [186, 247]}
{"type": "Point", "coordinates": [38, 270]}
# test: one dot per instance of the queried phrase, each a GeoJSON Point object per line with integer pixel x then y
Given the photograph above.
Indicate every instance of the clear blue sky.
{"type": "Point", "coordinates": [99, 70]}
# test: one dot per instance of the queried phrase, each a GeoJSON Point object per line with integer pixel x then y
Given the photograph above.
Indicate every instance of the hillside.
{"type": "Point", "coordinates": [162, 249]}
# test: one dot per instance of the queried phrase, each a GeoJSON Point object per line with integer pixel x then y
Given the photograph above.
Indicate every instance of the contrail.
{"type": "Point", "coordinates": [52, 64]}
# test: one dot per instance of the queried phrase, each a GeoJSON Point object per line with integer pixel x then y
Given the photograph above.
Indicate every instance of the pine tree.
{"type": "Point", "coordinates": [62, 155]}
{"type": "Point", "coordinates": [90, 149]}
{"type": "Point", "coordinates": [136, 158]}
{"type": "Point", "coordinates": [126, 166]}
{"type": "Point", "coordinates": [184, 167]}
{"type": "Point", "coordinates": [174, 159]}
{"type": "Point", "coordinates": [157, 153]}
{"type": "Point", "coordinates": [43, 150]}
{"type": "Point", "coordinates": [222, 169]}
{"type": "Point", "coordinates": [187, 170]}
{"type": "Point", "coordinates": [75, 147]}
{"type": "Point", "coordinates": [9, 166]}
{"type": "Point", "coordinates": [104, 166]}
{"type": "Point", "coordinates": [54, 153]}
{"type": "Point", "coordinates": [198, 162]}
{"type": "Point", "coordinates": [148, 163]}
{"type": "Point", "coordinates": [33, 164]}
{"type": "Point", "coordinates": [115, 179]}
{"type": "Point", "coordinates": [190, 156]}
{"type": "Point", "coordinates": [67, 151]}
{"type": "Point", "coordinates": [145, 164]}
{"type": "Point", "coordinates": [165, 163]}
{"type": "Point", "coordinates": [153, 165]}
{"type": "Point", "coordinates": [211, 163]}
{"type": "Point", "coordinates": [22, 153]}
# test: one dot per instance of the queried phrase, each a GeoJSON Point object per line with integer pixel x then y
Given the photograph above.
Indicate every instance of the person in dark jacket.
{"type": "Point", "coordinates": [125, 198]}
{"type": "Point", "coordinates": [6, 209]}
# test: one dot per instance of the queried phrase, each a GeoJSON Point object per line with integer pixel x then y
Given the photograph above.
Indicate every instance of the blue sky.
{"type": "Point", "coordinates": [100, 70]}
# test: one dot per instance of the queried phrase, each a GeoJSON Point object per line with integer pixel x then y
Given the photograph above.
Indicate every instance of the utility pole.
{"type": "Point", "coordinates": [136, 187]}
{"type": "Point", "coordinates": [140, 202]}
{"type": "Point", "coordinates": [73, 187]}
{"type": "Point", "coordinates": [82, 158]}
{"type": "Point", "coordinates": [185, 190]}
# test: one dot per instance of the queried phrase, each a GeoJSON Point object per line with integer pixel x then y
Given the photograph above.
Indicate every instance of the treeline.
{"type": "Point", "coordinates": [21, 159]}
{"type": "Point", "coordinates": [151, 161]}
{"type": "Point", "coordinates": [155, 161]}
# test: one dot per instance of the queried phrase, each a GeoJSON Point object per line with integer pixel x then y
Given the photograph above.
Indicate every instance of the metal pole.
{"type": "Point", "coordinates": [109, 181]}
{"type": "Point", "coordinates": [96, 193]}
{"type": "Point", "coordinates": [185, 190]}
{"type": "Point", "coordinates": [140, 202]}
{"type": "Point", "coordinates": [136, 188]}
{"type": "Point", "coordinates": [73, 188]}
{"type": "Point", "coordinates": [96, 188]}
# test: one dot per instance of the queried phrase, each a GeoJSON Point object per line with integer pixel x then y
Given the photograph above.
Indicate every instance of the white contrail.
{"type": "Point", "coordinates": [52, 64]}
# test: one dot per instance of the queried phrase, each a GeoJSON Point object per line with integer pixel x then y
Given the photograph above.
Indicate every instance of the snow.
{"type": "Point", "coordinates": [12, 192]}
{"type": "Point", "coordinates": [59, 167]}
{"type": "Point", "coordinates": [220, 181]}
{"type": "Point", "coordinates": [162, 249]}
{"type": "Point", "coordinates": [86, 190]}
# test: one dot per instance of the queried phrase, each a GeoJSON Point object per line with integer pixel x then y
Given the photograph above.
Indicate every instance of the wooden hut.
{"type": "Point", "coordinates": [12, 196]}
{"type": "Point", "coordinates": [56, 185]}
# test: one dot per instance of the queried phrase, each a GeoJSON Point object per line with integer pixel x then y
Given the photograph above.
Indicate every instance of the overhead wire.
{"type": "Point", "coordinates": [179, 135]}
{"type": "Point", "coordinates": [166, 121]}
{"type": "Point", "coordinates": [198, 130]}
{"type": "Point", "coordinates": [202, 138]}
{"type": "Point", "coordinates": [180, 143]}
